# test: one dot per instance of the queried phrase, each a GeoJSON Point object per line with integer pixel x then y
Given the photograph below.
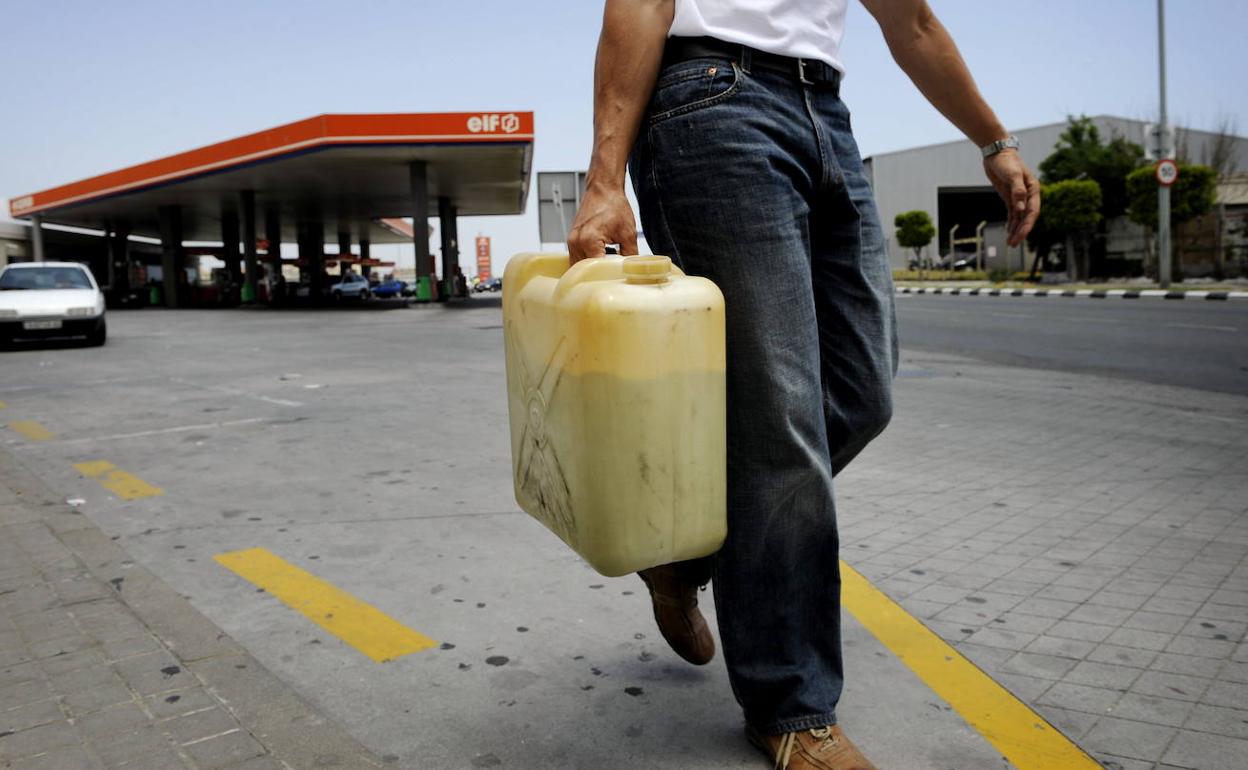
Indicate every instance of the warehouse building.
{"type": "Point", "coordinates": [947, 181]}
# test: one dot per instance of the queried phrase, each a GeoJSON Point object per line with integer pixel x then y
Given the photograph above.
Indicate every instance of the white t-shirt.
{"type": "Point", "coordinates": [807, 29]}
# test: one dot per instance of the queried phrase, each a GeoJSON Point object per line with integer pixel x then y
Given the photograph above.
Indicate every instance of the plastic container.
{"type": "Point", "coordinates": [615, 387]}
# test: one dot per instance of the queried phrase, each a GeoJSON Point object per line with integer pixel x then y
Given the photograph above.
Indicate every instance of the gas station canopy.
{"type": "Point", "coordinates": [343, 172]}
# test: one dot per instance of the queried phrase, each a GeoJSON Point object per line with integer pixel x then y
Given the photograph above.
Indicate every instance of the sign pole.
{"type": "Point", "coordinates": [1167, 151]}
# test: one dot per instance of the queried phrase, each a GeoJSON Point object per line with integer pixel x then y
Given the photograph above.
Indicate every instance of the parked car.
{"type": "Point", "coordinates": [44, 300]}
{"type": "Point", "coordinates": [493, 284]}
{"type": "Point", "coordinates": [351, 285]}
{"type": "Point", "coordinates": [391, 288]}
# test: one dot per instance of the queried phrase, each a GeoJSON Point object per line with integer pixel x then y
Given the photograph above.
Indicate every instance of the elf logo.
{"type": "Point", "coordinates": [21, 204]}
{"type": "Point", "coordinates": [492, 123]}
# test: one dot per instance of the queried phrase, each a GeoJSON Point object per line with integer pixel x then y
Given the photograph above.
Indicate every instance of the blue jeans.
{"type": "Point", "coordinates": [751, 178]}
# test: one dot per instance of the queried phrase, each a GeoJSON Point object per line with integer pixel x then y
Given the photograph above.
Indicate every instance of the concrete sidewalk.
{"type": "Point", "coordinates": [102, 665]}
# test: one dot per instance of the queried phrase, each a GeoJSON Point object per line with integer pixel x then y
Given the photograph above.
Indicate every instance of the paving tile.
{"type": "Point", "coordinates": [1201, 648]}
{"type": "Point", "coordinates": [15, 718]}
{"type": "Point", "coordinates": [1106, 675]}
{"type": "Point", "coordinates": [1038, 665]}
{"type": "Point", "coordinates": [1176, 686]}
{"type": "Point", "coordinates": [1122, 656]}
{"type": "Point", "coordinates": [129, 746]}
{"type": "Point", "coordinates": [1206, 751]}
{"type": "Point", "coordinates": [1047, 608]}
{"type": "Point", "coordinates": [173, 704]}
{"type": "Point", "coordinates": [225, 750]}
{"type": "Point", "coordinates": [1087, 632]}
{"type": "Point", "coordinates": [1229, 694]}
{"type": "Point", "coordinates": [1156, 621]}
{"type": "Point", "coordinates": [1111, 762]}
{"type": "Point", "coordinates": [199, 725]}
{"type": "Point", "coordinates": [1135, 637]}
{"type": "Point", "coordinates": [1064, 648]}
{"type": "Point", "coordinates": [1129, 739]}
{"type": "Point", "coordinates": [154, 672]}
{"type": "Point", "coordinates": [120, 718]}
{"type": "Point", "coordinates": [1216, 629]}
{"type": "Point", "coordinates": [25, 693]}
{"type": "Point", "coordinates": [1077, 697]}
{"type": "Point", "coordinates": [96, 697]}
{"type": "Point", "coordinates": [1231, 722]}
{"type": "Point", "coordinates": [1073, 724]}
{"type": "Point", "coordinates": [1090, 613]}
{"type": "Point", "coordinates": [1113, 599]}
{"type": "Point", "coordinates": [37, 740]}
{"type": "Point", "coordinates": [1186, 664]}
{"type": "Point", "coordinates": [1017, 621]}
{"type": "Point", "coordinates": [73, 758]}
{"type": "Point", "coordinates": [987, 658]}
{"type": "Point", "coordinates": [1025, 688]}
{"type": "Point", "coordinates": [1184, 607]}
{"type": "Point", "coordinates": [1152, 709]}
{"type": "Point", "coordinates": [995, 637]}
{"type": "Point", "coordinates": [71, 661]}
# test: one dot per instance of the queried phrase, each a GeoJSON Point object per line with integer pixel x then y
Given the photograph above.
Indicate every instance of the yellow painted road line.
{"type": "Point", "coordinates": [125, 485]}
{"type": "Point", "coordinates": [360, 625]}
{"type": "Point", "coordinates": [1020, 734]}
{"type": "Point", "coordinates": [32, 430]}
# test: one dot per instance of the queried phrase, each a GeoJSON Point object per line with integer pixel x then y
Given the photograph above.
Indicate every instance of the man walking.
{"type": "Point", "coordinates": [728, 115]}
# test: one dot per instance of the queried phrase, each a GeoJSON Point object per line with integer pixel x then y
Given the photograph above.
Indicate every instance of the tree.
{"type": "Point", "coordinates": [1080, 154]}
{"type": "Point", "coordinates": [914, 231]}
{"type": "Point", "coordinates": [1192, 195]}
{"type": "Point", "coordinates": [1071, 212]}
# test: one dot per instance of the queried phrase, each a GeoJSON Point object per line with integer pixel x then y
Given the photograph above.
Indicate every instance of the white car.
{"type": "Point", "coordinates": [351, 285]}
{"type": "Point", "coordinates": [41, 300]}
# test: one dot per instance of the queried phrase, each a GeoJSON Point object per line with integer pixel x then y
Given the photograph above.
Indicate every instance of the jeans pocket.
{"type": "Point", "coordinates": [693, 85]}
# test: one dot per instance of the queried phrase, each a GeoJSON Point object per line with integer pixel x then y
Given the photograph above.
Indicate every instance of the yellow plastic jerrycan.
{"type": "Point", "coordinates": [615, 388]}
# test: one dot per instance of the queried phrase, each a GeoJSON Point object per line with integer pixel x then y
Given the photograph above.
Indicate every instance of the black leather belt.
{"type": "Point", "coordinates": [808, 71]}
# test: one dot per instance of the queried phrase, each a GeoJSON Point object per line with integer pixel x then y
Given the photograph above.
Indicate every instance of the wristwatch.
{"type": "Point", "coordinates": [1008, 143]}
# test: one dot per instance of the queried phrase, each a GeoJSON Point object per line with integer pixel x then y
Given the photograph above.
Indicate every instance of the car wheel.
{"type": "Point", "coordinates": [99, 336]}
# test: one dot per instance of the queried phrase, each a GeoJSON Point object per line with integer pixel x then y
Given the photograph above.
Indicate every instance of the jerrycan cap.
{"type": "Point", "coordinates": [647, 269]}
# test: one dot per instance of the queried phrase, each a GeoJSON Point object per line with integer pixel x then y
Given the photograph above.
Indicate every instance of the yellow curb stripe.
{"type": "Point", "coordinates": [32, 430]}
{"type": "Point", "coordinates": [3, 405]}
{"type": "Point", "coordinates": [125, 485]}
{"type": "Point", "coordinates": [1020, 734]}
{"type": "Point", "coordinates": [364, 627]}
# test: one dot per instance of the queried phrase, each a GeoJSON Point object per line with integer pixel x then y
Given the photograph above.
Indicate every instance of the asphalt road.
{"type": "Point", "coordinates": [1191, 343]}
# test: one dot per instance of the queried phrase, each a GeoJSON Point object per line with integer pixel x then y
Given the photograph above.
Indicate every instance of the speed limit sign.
{"type": "Point", "coordinates": [1167, 172]}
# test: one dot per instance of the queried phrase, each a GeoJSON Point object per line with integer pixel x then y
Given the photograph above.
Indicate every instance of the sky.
{"type": "Point", "coordinates": [92, 87]}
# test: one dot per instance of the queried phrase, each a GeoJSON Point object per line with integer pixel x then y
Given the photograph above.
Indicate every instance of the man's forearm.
{"type": "Point", "coordinates": [630, 52]}
{"type": "Point", "coordinates": [924, 50]}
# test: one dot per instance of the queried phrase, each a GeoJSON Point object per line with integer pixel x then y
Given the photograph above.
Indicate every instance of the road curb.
{"type": "Point", "coordinates": [1085, 293]}
{"type": "Point", "coordinates": [288, 727]}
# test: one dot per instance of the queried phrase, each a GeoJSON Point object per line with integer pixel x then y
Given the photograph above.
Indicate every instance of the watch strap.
{"type": "Point", "coordinates": [1009, 143]}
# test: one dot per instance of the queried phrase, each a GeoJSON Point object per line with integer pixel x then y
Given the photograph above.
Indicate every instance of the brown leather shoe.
{"type": "Point", "coordinates": [823, 748]}
{"type": "Point", "coordinates": [675, 600]}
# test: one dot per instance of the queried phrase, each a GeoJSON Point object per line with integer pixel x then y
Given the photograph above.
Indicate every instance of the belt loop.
{"type": "Point", "coordinates": [746, 59]}
{"type": "Point", "coordinates": [801, 73]}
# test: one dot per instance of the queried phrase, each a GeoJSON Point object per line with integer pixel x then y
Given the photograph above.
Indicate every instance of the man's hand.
{"type": "Point", "coordinates": [604, 217]}
{"type": "Point", "coordinates": [1018, 188]}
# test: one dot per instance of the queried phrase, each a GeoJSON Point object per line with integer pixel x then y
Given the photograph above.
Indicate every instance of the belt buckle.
{"type": "Point", "coordinates": [801, 73]}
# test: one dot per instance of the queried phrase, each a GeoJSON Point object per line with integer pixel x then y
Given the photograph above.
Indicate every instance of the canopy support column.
{"type": "Point", "coordinates": [172, 255]}
{"type": "Point", "coordinates": [448, 218]}
{"type": "Point", "coordinates": [251, 277]}
{"type": "Point", "coordinates": [420, 229]}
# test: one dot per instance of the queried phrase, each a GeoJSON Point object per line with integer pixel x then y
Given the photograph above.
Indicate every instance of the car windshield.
{"type": "Point", "coordinates": [18, 278]}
